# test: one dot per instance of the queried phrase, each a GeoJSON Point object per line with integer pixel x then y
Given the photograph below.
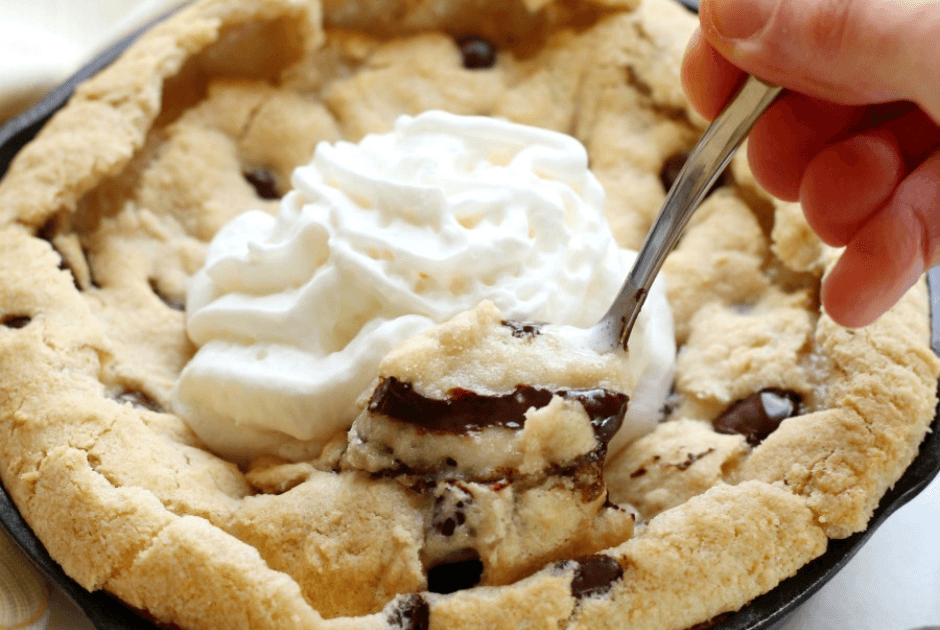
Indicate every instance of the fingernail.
{"type": "Point", "coordinates": [739, 19]}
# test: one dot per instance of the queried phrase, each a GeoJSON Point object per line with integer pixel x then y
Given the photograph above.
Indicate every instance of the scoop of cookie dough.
{"type": "Point", "coordinates": [502, 428]}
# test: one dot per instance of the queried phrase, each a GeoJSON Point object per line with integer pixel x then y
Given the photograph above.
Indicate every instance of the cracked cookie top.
{"type": "Point", "coordinates": [107, 213]}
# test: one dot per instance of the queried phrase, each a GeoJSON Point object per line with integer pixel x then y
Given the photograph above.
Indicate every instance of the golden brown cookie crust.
{"type": "Point", "coordinates": [108, 211]}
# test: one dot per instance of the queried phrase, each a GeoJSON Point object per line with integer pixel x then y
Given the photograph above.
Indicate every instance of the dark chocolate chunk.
{"type": "Point", "coordinates": [605, 408]}
{"type": "Point", "coordinates": [460, 412]}
{"type": "Point", "coordinates": [448, 527]}
{"type": "Point", "coordinates": [523, 329]}
{"type": "Point", "coordinates": [464, 411]}
{"type": "Point", "coordinates": [263, 182]}
{"type": "Point", "coordinates": [673, 166]}
{"type": "Point", "coordinates": [461, 571]}
{"type": "Point", "coordinates": [478, 53]}
{"type": "Point", "coordinates": [17, 321]}
{"type": "Point", "coordinates": [758, 415]}
{"type": "Point", "coordinates": [411, 613]}
{"type": "Point", "coordinates": [594, 575]}
{"type": "Point", "coordinates": [139, 400]}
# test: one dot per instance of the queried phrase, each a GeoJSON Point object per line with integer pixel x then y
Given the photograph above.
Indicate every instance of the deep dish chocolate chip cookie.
{"type": "Point", "coordinates": [782, 430]}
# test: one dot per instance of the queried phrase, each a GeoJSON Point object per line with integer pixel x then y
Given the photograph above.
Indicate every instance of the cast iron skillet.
{"type": "Point", "coordinates": [767, 612]}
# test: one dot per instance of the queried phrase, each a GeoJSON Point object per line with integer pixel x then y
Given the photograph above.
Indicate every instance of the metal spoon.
{"type": "Point", "coordinates": [705, 164]}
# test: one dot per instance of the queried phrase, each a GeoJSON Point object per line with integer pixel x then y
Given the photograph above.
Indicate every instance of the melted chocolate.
{"type": "Point", "coordinates": [462, 571]}
{"type": "Point", "coordinates": [594, 575]}
{"type": "Point", "coordinates": [263, 182]}
{"type": "Point", "coordinates": [412, 613]}
{"type": "Point", "coordinates": [464, 411]}
{"type": "Point", "coordinates": [17, 321]}
{"type": "Point", "coordinates": [758, 415]}
{"type": "Point", "coordinates": [605, 408]}
{"type": "Point", "coordinates": [478, 53]}
{"type": "Point", "coordinates": [523, 330]}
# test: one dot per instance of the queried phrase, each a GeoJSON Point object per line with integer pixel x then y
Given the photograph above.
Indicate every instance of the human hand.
{"type": "Point", "coordinates": [856, 139]}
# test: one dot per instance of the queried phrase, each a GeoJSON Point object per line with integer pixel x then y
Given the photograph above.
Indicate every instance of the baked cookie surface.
{"type": "Point", "coordinates": [108, 213]}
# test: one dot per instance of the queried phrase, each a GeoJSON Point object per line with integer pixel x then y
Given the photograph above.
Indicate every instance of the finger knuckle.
{"type": "Point", "coordinates": [920, 197]}
{"type": "Point", "coordinates": [831, 26]}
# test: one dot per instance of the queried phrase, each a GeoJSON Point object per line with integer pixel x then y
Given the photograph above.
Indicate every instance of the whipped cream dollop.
{"type": "Point", "coordinates": [377, 242]}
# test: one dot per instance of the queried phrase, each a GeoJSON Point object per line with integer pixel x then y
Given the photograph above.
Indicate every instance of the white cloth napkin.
{"type": "Point", "coordinates": [46, 40]}
{"type": "Point", "coordinates": [24, 595]}
{"type": "Point", "coordinates": [894, 581]}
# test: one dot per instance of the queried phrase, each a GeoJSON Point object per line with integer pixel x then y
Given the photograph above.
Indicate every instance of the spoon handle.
{"type": "Point", "coordinates": [705, 164]}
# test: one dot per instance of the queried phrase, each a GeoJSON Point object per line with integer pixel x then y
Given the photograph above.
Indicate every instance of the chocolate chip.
{"type": "Point", "coordinates": [758, 415]}
{"type": "Point", "coordinates": [449, 507]}
{"type": "Point", "coordinates": [17, 321]}
{"type": "Point", "coordinates": [673, 166]}
{"type": "Point", "coordinates": [478, 53]}
{"type": "Point", "coordinates": [465, 411]}
{"type": "Point", "coordinates": [175, 303]}
{"type": "Point", "coordinates": [448, 527]}
{"type": "Point", "coordinates": [411, 613]}
{"type": "Point", "coordinates": [263, 182]}
{"type": "Point", "coordinates": [139, 400]}
{"type": "Point", "coordinates": [594, 575]}
{"type": "Point", "coordinates": [461, 571]}
{"type": "Point", "coordinates": [522, 330]}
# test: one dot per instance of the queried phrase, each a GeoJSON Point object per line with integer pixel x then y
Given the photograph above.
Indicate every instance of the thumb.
{"type": "Point", "coordinates": [852, 52]}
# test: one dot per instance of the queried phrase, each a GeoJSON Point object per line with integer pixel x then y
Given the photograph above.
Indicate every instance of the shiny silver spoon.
{"type": "Point", "coordinates": [705, 164]}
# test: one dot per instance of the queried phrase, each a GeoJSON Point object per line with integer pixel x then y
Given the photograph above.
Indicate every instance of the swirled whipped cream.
{"type": "Point", "coordinates": [377, 242]}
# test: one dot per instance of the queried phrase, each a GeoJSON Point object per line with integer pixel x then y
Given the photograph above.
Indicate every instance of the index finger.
{"type": "Point", "coordinates": [708, 78]}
